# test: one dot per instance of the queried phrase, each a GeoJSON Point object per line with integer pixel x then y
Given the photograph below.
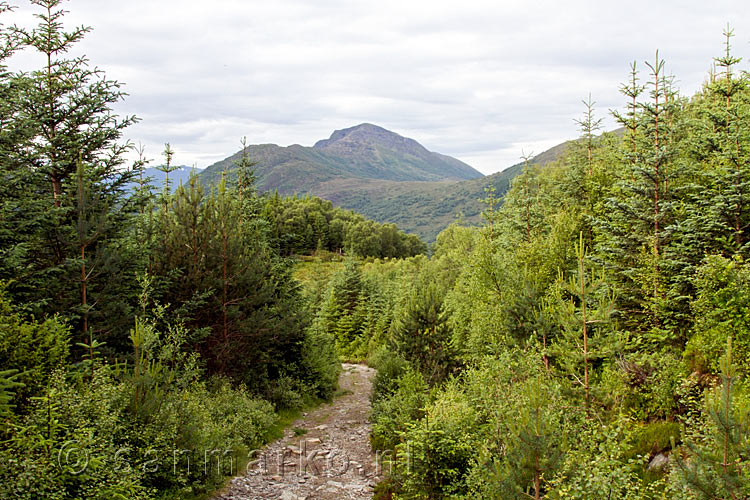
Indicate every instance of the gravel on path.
{"type": "Point", "coordinates": [331, 459]}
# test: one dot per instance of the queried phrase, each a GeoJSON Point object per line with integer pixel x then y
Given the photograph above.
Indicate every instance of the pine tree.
{"type": "Point", "coordinates": [421, 332]}
{"type": "Point", "coordinates": [584, 308]}
{"type": "Point", "coordinates": [535, 449]}
{"type": "Point", "coordinates": [718, 469]}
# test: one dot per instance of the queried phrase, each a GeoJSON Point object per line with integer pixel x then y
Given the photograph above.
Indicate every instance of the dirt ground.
{"type": "Point", "coordinates": [325, 455]}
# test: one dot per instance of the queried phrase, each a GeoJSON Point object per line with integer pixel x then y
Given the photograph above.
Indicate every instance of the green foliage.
{"type": "Point", "coordinates": [320, 368]}
{"type": "Point", "coordinates": [550, 354]}
{"type": "Point", "coordinates": [606, 474]}
{"type": "Point", "coordinates": [534, 450]}
{"type": "Point", "coordinates": [390, 367]}
{"type": "Point", "coordinates": [437, 450]}
{"type": "Point", "coordinates": [64, 209]}
{"type": "Point", "coordinates": [420, 333]}
{"type": "Point", "coordinates": [117, 433]}
{"type": "Point", "coordinates": [8, 385]}
{"type": "Point", "coordinates": [652, 438]}
{"type": "Point", "coordinates": [393, 414]}
{"type": "Point", "coordinates": [721, 308]}
{"type": "Point", "coordinates": [214, 259]}
{"type": "Point", "coordinates": [303, 225]}
{"type": "Point", "coordinates": [34, 350]}
{"type": "Point", "coordinates": [718, 464]}
{"type": "Point", "coordinates": [652, 384]}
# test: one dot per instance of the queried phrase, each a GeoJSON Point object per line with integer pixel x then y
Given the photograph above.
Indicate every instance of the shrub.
{"type": "Point", "coordinates": [320, 366]}
{"type": "Point", "coordinates": [438, 449]}
{"type": "Point", "coordinates": [34, 349]}
{"type": "Point", "coordinates": [392, 415]}
{"type": "Point", "coordinates": [390, 366]}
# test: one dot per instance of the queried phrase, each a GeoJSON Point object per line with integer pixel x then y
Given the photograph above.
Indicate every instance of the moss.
{"type": "Point", "coordinates": [652, 438]}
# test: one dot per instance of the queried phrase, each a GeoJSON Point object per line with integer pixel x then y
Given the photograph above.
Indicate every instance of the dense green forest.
{"type": "Point", "coordinates": [135, 323]}
{"type": "Point", "coordinates": [591, 340]}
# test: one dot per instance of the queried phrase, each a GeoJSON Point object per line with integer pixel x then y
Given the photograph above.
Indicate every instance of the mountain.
{"type": "Point", "coordinates": [384, 176]}
{"type": "Point", "coordinates": [365, 152]}
{"type": "Point", "coordinates": [180, 175]}
{"type": "Point", "coordinates": [381, 154]}
{"type": "Point", "coordinates": [426, 208]}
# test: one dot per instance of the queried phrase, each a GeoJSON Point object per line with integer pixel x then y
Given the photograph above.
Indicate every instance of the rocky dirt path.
{"type": "Point", "coordinates": [327, 458]}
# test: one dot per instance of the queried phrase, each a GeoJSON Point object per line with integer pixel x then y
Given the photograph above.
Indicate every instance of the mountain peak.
{"type": "Point", "coordinates": [365, 133]}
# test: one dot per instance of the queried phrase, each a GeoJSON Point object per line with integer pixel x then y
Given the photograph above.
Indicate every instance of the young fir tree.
{"type": "Point", "coordinates": [638, 224]}
{"type": "Point", "coordinates": [421, 334]}
{"type": "Point", "coordinates": [586, 179]}
{"type": "Point", "coordinates": [62, 116]}
{"type": "Point", "coordinates": [167, 168]}
{"type": "Point", "coordinates": [70, 104]}
{"type": "Point", "coordinates": [720, 211]}
{"type": "Point", "coordinates": [340, 313]}
{"type": "Point", "coordinates": [521, 211]}
{"type": "Point", "coordinates": [534, 448]}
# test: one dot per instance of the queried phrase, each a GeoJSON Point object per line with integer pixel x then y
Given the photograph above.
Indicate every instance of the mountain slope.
{"type": "Point", "coordinates": [380, 154]}
{"type": "Point", "coordinates": [179, 175]}
{"type": "Point", "coordinates": [384, 176]}
{"type": "Point", "coordinates": [426, 208]}
{"type": "Point", "coordinates": [362, 152]}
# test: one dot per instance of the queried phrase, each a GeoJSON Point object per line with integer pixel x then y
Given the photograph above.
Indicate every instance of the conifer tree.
{"type": "Point", "coordinates": [589, 126]}
{"type": "Point", "coordinates": [167, 168]}
{"type": "Point", "coordinates": [719, 468]}
{"type": "Point", "coordinates": [632, 90]}
{"type": "Point", "coordinates": [584, 309]}
{"type": "Point", "coordinates": [721, 206]}
{"type": "Point", "coordinates": [639, 221]}
{"type": "Point", "coordinates": [70, 104]}
{"type": "Point", "coordinates": [62, 117]}
{"type": "Point", "coordinates": [421, 333]}
{"type": "Point", "coordinates": [535, 448]}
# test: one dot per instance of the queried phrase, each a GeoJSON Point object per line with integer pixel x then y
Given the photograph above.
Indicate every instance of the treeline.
{"type": "Point", "coordinates": [133, 325]}
{"type": "Point", "coordinates": [302, 225]}
{"type": "Point", "coordinates": [591, 340]}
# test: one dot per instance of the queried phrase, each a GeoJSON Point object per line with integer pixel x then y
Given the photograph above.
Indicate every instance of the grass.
{"type": "Point", "coordinates": [341, 392]}
{"type": "Point", "coordinates": [284, 419]}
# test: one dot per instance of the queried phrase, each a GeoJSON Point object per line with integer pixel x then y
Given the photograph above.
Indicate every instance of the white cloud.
{"type": "Point", "coordinates": [475, 79]}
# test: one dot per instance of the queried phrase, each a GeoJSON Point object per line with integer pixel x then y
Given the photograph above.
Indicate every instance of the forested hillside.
{"type": "Point", "coordinates": [591, 339]}
{"type": "Point", "coordinates": [150, 340]}
{"type": "Point", "coordinates": [380, 174]}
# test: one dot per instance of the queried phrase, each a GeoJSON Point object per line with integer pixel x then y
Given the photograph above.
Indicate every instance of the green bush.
{"type": "Point", "coordinates": [652, 438]}
{"type": "Point", "coordinates": [438, 450]}
{"type": "Point", "coordinates": [390, 366]}
{"type": "Point", "coordinates": [721, 308]}
{"type": "Point", "coordinates": [320, 366]}
{"type": "Point", "coordinates": [393, 415]}
{"type": "Point", "coordinates": [34, 349]}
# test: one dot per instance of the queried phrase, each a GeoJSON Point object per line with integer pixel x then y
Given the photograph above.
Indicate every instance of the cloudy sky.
{"type": "Point", "coordinates": [478, 80]}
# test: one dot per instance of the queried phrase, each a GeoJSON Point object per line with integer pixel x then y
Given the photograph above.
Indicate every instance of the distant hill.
{"type": "Point", "coordinates": [426, 208]}
{"type": "Point", "coordinates": [362, 152]}
{"type": "Point", "coordinates": [384, 176]}
{"type": "Point", "coordinates": [157, 177]}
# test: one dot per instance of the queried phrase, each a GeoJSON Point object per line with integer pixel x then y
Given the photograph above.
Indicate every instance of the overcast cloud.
{"type": "Point", "coordinates": [478, 80]}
